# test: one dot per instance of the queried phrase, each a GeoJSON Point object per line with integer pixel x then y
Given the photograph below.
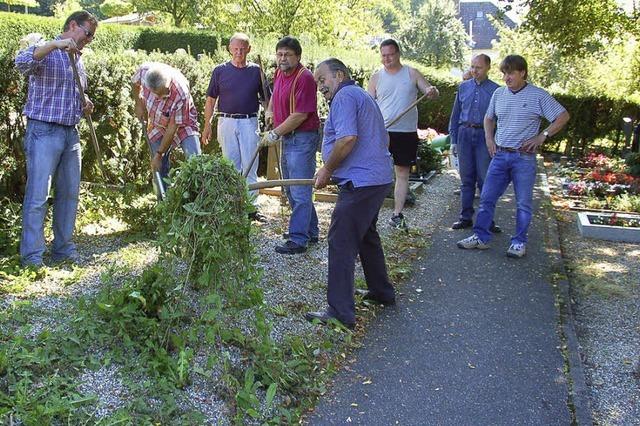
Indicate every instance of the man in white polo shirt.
{"type": "Point", "coordinates": [517, 111]}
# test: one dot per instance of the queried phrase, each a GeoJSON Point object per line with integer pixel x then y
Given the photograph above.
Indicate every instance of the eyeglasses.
{"type": "Point", "coordinates": [285, 55]}
{"type": "Point", "coordinates": [87, 33]}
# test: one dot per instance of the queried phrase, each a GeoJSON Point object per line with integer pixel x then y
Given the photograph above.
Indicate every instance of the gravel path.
{"type": "Point", "coordinates": [605, 290]}
{"type": "Point", "coordinates": [292, 285]}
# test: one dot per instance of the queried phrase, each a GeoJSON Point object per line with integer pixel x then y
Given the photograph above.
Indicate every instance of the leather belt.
{"type": "Point", "coordinates": [473, 125]}
{"type": "Point", "coordinates": [225, 115]}
{"type": "Point", "coordinates": [505, 149]}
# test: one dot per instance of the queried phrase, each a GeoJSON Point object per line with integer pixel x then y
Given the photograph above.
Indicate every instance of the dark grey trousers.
{"type": "Point", "coordinates": [353, 232]}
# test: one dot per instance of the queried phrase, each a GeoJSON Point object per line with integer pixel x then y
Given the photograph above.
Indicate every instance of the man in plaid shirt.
{"type": "Point", "coordinates": [164, 102]}
{"type": "Point", "coordinates": [51, 143]}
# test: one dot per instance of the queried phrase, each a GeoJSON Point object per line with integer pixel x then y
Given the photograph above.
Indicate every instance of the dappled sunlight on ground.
{"type": "Point", "coordinates": [104, 227]}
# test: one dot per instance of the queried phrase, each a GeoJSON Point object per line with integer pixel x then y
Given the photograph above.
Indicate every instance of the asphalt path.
{"type": "Point", "coordinates": [473, 340]}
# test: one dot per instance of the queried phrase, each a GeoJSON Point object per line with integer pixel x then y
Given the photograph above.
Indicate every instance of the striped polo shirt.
{"type": "Point", "coordinates": [518, 115]}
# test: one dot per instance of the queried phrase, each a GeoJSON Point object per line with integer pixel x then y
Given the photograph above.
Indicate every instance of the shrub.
{"type": "Point", "coordinates": [204, 220]}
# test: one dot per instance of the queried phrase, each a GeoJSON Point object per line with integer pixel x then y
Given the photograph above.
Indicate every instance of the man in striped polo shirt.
{"type": "Point", "coordinates": [164, 102]}
{"type": "Point", "coordinates": [517, 111]}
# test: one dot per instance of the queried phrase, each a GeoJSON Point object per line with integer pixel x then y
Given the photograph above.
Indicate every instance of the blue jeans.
{"type": "Point", "coordinates": [53, 156]}
{"type": "Point", "coordinates": [473, 160]}
{"type": "Point", "coordinates": [299, 162]}
{"type": "Point", "coordinates": [516, 167]}
{"type": "Point", "coordinates": [190, 146]}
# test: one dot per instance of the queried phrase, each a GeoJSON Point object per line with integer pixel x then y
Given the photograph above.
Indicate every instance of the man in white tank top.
{"type": "Point", "coordinates": [395, 87]}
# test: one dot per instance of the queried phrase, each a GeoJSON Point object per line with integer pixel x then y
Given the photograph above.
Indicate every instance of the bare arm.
{"type": "Point", "coordinates": [341, 150]}
{"type": "Point", "coordinates": [423, 85]}
{"type": "Point", "coordinates": [532, 144]}
{"type": "Point", "coordinates": [209, 107]}
{"type": "Point", "coordinates": [165, 143]}
{"type": "Point", "coordinates": [373, 84]}
{"type": "Point", "coordinates": [292, 122]}
{"type": "Point", "coordinates": [489, 135]}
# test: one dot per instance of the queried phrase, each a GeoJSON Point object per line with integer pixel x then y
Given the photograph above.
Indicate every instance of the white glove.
{"type": "Point", "coordinates": [269, 138]}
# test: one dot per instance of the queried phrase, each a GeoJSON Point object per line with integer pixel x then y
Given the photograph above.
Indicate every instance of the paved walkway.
{"type": "Point", "coordinates": [473, 340]}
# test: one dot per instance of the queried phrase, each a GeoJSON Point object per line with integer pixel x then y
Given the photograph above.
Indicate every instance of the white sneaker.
{"type": "Point", "coordinates": [517, 250]}
{"type": "Point", "coordinates": [472, 242]}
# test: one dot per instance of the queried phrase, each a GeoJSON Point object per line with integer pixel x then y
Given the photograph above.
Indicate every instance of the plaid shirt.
{"type": "Point", "coordinates": [178, 104]}
{"type": "Point", "coordinates": [53, 95]}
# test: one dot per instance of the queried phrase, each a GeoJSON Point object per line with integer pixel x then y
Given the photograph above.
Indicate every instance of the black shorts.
{"type": "Point", "coordinates": [403, 146]}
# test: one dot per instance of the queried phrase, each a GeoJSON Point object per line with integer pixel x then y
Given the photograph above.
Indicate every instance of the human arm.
{"type": "Point", "coordinates": [165, 143]}
{"type": "Point", "coordinates": [268, 114]}
{"type": "Point", "coordinates": [454, 123]}
{"type": "Point", "coordinates": [209, 107]}
{"type": "Point", "coordinates": [341, 149]}
{"type": "Point", "coordinates": [373, 83]}
{"type": "Point", "coordinates": [489, 134]}
{"type": "Point", "coordinates": [139, 108]}
{"type": "Point", "coordinates": [556, 125]}
{"type": "Point", "coordinates": [28, 60]}
{"type": "Point", "coordinates": [423, 85]}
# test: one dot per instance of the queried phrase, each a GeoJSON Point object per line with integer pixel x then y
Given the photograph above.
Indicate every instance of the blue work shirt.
{"type": "Point", "coordinates": [353, 112]}
{"type": "Point", "coordinates": [472, 101]}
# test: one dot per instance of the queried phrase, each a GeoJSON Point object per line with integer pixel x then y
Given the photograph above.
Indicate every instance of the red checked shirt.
{"type": "Point", "coordinates": [177, 104]}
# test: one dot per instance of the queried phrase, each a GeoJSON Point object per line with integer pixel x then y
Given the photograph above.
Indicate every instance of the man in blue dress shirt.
{"type": "Point", "coordinates": [467, 136]}
{"type": "Point", "coordinates": [356, 156]}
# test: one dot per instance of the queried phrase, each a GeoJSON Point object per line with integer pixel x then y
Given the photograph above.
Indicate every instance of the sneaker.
{"type": "Point", "coordinates": [398, 222]}
{"type": "Point", "coordinates": [472, 242]}
{"type": "Point", "coordinates": [517, 250]}
{"type": "Point", "coordinates": [290, 248]}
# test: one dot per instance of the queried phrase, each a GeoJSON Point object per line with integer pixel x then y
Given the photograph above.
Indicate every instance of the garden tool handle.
{"type": "Point", "coordinates": [157, 178]}
{"type": "Point", "coordinates": [92, 130]}
{"type": "Point", "coordinates": [409, 108]}
{"type": "Point", "coordinates": [281, 182]}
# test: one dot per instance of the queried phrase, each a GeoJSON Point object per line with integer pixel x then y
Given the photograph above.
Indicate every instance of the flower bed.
{"type": "Point", "coordinates": [599, 182]}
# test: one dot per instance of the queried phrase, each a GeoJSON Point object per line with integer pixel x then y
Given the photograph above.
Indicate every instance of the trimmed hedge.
{"type": "Point", "coordinates": [110, 37]}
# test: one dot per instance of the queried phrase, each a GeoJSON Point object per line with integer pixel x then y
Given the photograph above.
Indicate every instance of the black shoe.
{"type": "Point", "coordinates": [258, 217]}
{"type": "Point", "coordinates": [312, 240]}
{"type": "Point", "coordinates": [290, 248]}
{"type": "Point", "coordinates": [495, 229]}
{"type": "Point", "coordinates": [325, 318]}
{"type": "Point", "coordinates": [462, 224]}
{"type": "Point", "coordinates": [366, 295]}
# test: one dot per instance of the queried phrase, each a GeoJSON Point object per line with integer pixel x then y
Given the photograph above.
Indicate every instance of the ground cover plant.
{"type": "Point", "coordinates": [173, 326]}
{"type": "Point", "coordinates": [598, 181]}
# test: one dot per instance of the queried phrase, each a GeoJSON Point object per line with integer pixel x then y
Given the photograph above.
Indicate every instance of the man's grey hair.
{"type": "Point", "coordinates": [158, 76]}
{"type": "Point", "coordinates": [240, 37]}
{"type": "Point", "coordinates": [335, 65]}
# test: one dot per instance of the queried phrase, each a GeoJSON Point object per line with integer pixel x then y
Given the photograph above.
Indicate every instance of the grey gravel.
{"type": "Point", "coordinates": [606, 303]}
{"type": "Point", "coordinates": [292, 285]}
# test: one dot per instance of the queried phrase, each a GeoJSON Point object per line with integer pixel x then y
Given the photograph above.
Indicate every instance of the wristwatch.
{"type": "Point", "coordinates": [273, 136]}
{"type": "Point", "coordinates": [546, 134]}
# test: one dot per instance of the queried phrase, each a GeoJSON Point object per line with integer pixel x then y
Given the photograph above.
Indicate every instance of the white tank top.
{"type": "Point", "coordinates": [394, 93]}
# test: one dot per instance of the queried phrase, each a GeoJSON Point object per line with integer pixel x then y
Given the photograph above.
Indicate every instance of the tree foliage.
{"type": "Point", "coordinates": [610, 71]}
{"type": "Point", "coordinates": [578, 26]}
{"type": "Point", "coordinates": [182, 11]}
{"type": "Point", "coordinates": [345, 21]}
{"type": "Point", "coordinates": [112, 8]}
{"type": "Point", "coordinates": [434, 35]}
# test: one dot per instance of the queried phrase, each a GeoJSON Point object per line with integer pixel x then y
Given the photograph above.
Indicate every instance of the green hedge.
{"type": "Point", "coordinates": [110, 37]}
{"type": "Point", "coordinates": [195, 42]}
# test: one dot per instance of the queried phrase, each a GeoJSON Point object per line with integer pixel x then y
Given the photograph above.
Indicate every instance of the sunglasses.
{"type": "Point", "coordinates": [87, 33]}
